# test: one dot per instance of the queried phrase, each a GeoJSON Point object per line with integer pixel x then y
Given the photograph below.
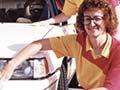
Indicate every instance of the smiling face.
{"type": "Point", "coordinates": [94, 22]}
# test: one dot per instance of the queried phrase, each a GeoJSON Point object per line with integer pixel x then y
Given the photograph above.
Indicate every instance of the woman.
{"type": "Point", "coordinates": [95, 51]}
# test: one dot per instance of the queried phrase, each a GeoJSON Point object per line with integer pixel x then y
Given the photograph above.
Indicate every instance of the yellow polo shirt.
{"type": "Point", "coordinates": [89, 73]}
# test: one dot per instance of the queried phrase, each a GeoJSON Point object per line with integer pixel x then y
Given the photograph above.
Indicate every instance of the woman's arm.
{"type": "Point", "coordinates": [24, 54]}
{"type": "Point", "coordinates": [100, 88]}
{"type": "Point", "coordinates": [57, 19]}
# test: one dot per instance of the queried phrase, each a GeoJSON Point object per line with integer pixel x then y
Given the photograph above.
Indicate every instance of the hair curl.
{"type": "Point", "coordinates": [110, 17]}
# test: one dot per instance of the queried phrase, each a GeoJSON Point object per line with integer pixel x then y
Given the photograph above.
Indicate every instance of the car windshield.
{"type": "Point", "coordinates": [11, 10]}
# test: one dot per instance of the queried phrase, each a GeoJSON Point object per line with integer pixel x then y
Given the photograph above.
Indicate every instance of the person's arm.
{"type": "Point", "coordinates": [24, 54]}
{"type": "Point", "coordinates": [100, 88]}
{"type": "Point", "coordinates": [57, 19]}
{"type": "Point", "coordinates": [23, 20]}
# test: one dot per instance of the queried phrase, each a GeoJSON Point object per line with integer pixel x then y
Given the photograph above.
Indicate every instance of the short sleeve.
{"type": "Point", "coordinates": [64, 46]}
{"type": "Point", "coordinates": [69, 8]}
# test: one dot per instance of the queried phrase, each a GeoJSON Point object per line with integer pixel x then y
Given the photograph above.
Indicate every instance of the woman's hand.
{"type": "Point", "coordinates": [6, 73]}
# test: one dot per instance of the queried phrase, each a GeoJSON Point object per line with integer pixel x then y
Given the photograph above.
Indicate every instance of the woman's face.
{"type": "Point", "coordinates": [94, 23]}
